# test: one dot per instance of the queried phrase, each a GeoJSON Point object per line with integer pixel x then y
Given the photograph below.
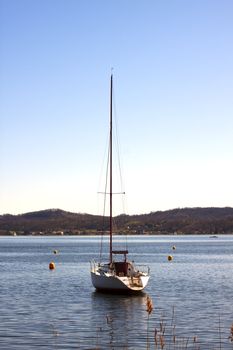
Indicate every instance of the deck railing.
{"type": "Point", "coordinates": [137, 267]}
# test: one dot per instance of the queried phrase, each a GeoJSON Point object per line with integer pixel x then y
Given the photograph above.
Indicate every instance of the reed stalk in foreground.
{"type": "Point", "coordinates": [164, 339]}
{"type": "Point", "coordinates": [231, 334]}
{"type": "Point", "coordinates": [149, 309]}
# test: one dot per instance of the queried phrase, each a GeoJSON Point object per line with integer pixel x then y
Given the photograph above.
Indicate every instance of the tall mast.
{"type": "Point", "coordinates": [110, 170]}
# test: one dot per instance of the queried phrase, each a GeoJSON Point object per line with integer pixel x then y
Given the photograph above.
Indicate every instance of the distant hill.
{"type": "Point", "coordinates": [49, 220]}
{"type": "Point", "coordinates": [180, 221]}
{"type": "Point", "coordinates": [189, 221]}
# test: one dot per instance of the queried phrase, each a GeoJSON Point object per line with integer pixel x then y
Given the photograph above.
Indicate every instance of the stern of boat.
{"type": "Point", "coordinates": [117, 278]}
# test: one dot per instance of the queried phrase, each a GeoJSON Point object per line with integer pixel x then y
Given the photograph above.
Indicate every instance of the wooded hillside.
{"type": "Point", "coordinates": [180, 221]}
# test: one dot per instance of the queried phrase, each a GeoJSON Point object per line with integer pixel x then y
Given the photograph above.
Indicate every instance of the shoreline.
{"type": "Point", "coordinates": [91, 234]}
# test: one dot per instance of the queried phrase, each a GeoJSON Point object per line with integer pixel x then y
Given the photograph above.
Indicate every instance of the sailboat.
{"type": "Point", "coordinates": [117, 274]}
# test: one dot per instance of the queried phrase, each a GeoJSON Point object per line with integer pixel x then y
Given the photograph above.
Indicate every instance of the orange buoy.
{"type": "Point", "coordinates": [51, 265]}
{"type": "Point", "coordinates": [170, 258]}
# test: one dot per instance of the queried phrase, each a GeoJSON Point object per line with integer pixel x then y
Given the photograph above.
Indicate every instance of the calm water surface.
{"type": "Point", "coordinates": [43, 309]}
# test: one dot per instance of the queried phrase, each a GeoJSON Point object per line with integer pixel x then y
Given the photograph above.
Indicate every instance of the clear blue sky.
{"type": "Point", "coordinates": [173, 87]}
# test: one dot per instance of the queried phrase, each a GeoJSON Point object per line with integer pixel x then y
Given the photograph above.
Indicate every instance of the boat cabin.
{"type": "Point", "coordinates": [122, 268]}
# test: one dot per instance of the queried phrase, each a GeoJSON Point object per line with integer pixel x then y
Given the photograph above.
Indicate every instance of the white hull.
{"type": "Point", "coordinates": [107, 280]}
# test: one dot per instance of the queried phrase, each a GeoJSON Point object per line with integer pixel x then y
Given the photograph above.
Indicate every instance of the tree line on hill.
{"type": "Point", "coordinates": [179, 221]}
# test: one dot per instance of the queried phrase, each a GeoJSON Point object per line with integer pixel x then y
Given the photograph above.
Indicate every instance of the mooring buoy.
{"type": "Point", "coordinates": [51, 265]}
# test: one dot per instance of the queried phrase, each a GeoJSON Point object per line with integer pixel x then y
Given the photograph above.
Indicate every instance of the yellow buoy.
{"type": "Point", "coordinates": [170, 258]}
{"type": "Point", "coordinates": [51, 265]}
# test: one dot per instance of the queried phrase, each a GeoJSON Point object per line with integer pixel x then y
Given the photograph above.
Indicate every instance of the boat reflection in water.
{"type": "Point", "coordinates": [121, 317]}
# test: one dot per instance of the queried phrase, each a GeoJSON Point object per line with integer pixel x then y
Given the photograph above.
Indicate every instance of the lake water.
{"type": "Point", "coordinates": [59, 309]}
